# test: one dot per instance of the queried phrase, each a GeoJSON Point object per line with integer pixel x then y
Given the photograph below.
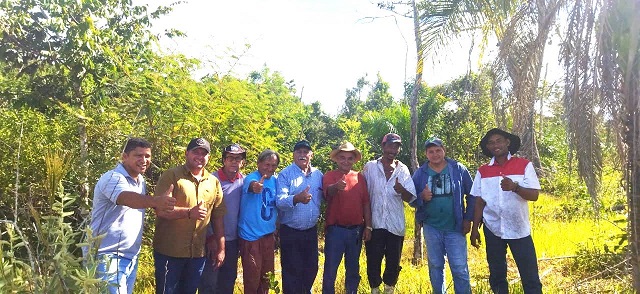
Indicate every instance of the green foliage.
{"type": "Point", "coordinates": [274, 285]}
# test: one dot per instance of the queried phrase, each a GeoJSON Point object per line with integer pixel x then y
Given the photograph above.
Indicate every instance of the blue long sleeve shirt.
{"type": "Point", "coordinates": [291, 181]}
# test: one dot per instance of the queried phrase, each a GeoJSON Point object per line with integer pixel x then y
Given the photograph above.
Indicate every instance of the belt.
{"type": "Point", "coordinates": [299, 230]}
{"type": "Point", "coordinates": [351, 227]}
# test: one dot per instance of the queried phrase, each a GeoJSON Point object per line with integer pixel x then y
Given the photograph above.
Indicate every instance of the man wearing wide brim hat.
{"type": "Point", "coordinates": [348, 218]}
{"type": "Point", "coordinates": [503, 188]}
{"type": "Point", "coordinates": [346, 147]}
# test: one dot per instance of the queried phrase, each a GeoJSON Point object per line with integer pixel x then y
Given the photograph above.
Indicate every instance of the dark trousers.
{"type": "Point", "coordinates": [387, 245]}
{"type": "Point", "coordinates": [223, 279]}
{"type": "Point", "coordinates": [524, 254]}
{"type": "Point", "coordinates": [299, 259]}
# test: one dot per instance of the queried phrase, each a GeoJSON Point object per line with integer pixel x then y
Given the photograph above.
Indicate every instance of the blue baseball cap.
{"type": "Point", "coordinates": [433, 141]}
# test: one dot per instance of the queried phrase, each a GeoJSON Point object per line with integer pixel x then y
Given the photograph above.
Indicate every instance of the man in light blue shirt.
{"type": "Point", "coordinates": [119, 202]}
{"type": "Point", "coordinates": [298, 202]}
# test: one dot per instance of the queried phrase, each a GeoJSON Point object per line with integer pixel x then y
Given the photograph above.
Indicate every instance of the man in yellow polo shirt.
{"type": "Point", "coordinates": [179, 240]}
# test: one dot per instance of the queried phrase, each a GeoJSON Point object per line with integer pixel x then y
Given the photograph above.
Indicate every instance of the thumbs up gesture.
{"type": "Point", "coordinates": [398, 187]}
{"type": "Point", "coordinates": [165, 201]}
{"type": "Point", "coordinates": [507, 184]}
{"type": "Point", "coordinates": [426, 194]}
{"type": "Point", "coordinates": [256, 187]}
{"type": "Point", "coordinates": [303, 197]}
{"type": "Point", "coordinates": [198, 211]}
{"type": "Point", "coordinates": [341, 184]}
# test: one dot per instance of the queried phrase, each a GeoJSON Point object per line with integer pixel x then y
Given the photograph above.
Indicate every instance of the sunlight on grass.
{"type": "Point", "coordinates": [557, 243]}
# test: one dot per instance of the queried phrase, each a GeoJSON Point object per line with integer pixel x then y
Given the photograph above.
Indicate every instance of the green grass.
{"type": "Point", "coordinates": [559, 241]}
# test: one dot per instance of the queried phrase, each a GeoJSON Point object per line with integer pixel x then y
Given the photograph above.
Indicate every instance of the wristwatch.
{"type": "Point", "coordinates": [517, 188]}
{"type": "Point", "coordinates": [369, 228]}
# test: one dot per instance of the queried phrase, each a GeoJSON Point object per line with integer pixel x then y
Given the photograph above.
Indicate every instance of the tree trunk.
{"type": "Point", "coordinates": [525, 80]}
{"type": "Point", "coordinates": [417, 233]}
{"type": "Point", "coordinates": [631, 98]}
{"type": "Point", "coordinates": [84, 163]}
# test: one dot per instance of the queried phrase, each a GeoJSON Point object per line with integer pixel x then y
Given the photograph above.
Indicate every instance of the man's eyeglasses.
{"type": "Point", "coordinates": [234, 158]}
{"type": "Point", "coordinates": [437, 181]}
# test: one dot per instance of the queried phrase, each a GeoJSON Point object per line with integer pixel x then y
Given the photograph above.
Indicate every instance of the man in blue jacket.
{"type": "Point", "coordinates": [443, 185]}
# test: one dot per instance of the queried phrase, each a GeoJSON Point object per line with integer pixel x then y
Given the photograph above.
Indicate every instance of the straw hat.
{"type": "Point", "coordinates": [346, 147]}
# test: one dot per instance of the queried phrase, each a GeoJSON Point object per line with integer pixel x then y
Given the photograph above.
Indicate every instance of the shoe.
{"type": "Point", "coordinates": [375, 291]}
{"type": "Point", "coordinates": [389, 289]}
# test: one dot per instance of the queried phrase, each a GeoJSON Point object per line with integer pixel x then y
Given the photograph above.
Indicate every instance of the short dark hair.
{"type": "Point", "coordinates": [267, 154]}
{"type": "Point", "coordinates": [134, 143]}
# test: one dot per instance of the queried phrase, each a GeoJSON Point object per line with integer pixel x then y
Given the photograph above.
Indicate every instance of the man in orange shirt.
{"type": "Point", "coordinates": [348, 218]}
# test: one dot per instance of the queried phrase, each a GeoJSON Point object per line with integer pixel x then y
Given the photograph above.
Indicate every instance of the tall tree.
{"type": "Point", "coordinates": [522, 44]}
{"type": "Point", "coordinates": [74, 53]}
{"type": "Point", "coordinates": [601, 54]}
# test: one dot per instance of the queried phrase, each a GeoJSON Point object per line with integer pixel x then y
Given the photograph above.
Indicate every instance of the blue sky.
{"type": "Point", "coordinates": [323, 45]}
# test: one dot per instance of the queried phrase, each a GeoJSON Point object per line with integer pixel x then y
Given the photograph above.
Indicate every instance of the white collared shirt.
{"type": "Point", "coordinates": [387, 207]}
{"type": "Point", "coordinates": [506, 214]}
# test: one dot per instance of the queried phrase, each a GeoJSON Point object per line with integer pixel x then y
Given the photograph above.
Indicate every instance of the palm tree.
{"type": "Point", "coordinates": [601, 55]}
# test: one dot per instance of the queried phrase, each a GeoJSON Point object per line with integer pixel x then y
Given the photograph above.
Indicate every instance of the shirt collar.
{"type": "Point", "coordinates": [223, 177]}
{"type": "Point", "coordinates": [493, 159]}
{"type": "Point", "coordinates": [205, 173]}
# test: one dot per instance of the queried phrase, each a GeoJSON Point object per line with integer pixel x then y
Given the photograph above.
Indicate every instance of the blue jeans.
{"type": "Point", "coordinates": [454, 246]}
{"type": "Point", "coordinates": [342, 241]}
{"type": "Point", "coordinates": [524, 254]}
{"type": "Point", "coordinates": [223, 279]}
{"type": "Point", "coordinates": [299, 259]}
{"type": "Point", "coordinates": [177, 274]}
{"type": "Point", "coordinates": [119, 272]}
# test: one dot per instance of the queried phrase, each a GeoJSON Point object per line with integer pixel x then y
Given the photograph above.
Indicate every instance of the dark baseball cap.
{"type": "Point", "coordinates": [433, 141]}
{"type": "Point", "coordinates": [391, 138]}
{"type": "Point", "coordinates": [234, 149]}
{"type": "Point", "coordinates": [199, 143]}
{"type": "Point", "coordinates": [302, 144]}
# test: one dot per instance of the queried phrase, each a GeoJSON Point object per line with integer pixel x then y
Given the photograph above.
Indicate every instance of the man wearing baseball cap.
{"type": "Point", "coordinates": [222, 280]}
{"type": "Point", "coordinates": [179, 239]}
{"type": "Point", "coordinates": [503, 188]}
{"type": "Point", "coordinates": [389, 183]}
{"type": "Point", "coordinates": [443, 185]}
{"type": "Point", "coordinates": [298, 201]}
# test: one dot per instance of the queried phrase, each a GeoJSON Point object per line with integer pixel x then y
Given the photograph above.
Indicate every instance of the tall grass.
{"type": "Point", "coordinates": [559, 241]}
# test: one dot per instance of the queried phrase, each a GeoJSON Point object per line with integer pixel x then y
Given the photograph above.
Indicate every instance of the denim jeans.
{"type": "Point", "coordinates": [454, 246]}
{"type": "Point", "coordinates": [223, 279]}
{"type": "Point", "coordinates": [177, 274]}
{"type": "Point", "coordinates": [119, 272]}
{"type": "Point", "coordinates": [341, 241]}
{"type": "Point", "coordinates": [524, 254]}
{"type": "Point", "coordinates": [299, 259]}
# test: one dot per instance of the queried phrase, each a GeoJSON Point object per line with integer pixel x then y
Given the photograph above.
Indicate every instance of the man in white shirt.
{"type": "Point", "coordinates": [389, 183]}
{"type": "Point", "coordinates": [503, 188]}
